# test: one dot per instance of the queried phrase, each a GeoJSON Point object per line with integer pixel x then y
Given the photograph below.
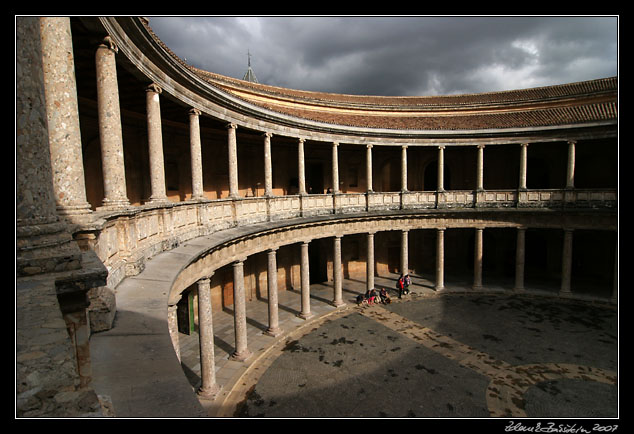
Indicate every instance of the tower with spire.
{"type": "Point", "coordinates": [250, 75]}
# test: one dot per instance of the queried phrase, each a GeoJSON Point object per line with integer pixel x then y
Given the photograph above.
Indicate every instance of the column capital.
{"type": "Point", "coordinates": [480, 146]}
{"type": "Point", "coordinates": [153, 87]}
{"type": "Point", "coordinates": [404, 146]}
{"type": "Point", "coordinates": [524, 144]}
{"type": "Point", "coordinates": [572, 142]}
{"type": "Point", "coordinates": [194, 112]}
{"type": "Point", "coordinates": [232, 126]}
{"type": "Point", "coordinates": [441, 147]}
{"type": "Point", "coordinates": [335, 144]}
{"type": "Point", "coordinates": [301, 140]}
{"type": "Point", "coordinates": [267, 134]}
{"type": "Point", "coordinates": [204, 280]}
{"type": "Point", "coordinates": [108, 43]}
{"type": "Point", "coordinates": [369, 146]}
{"type": "Point", "coordinates": [238, 262]}
{"type": "Point", "coordinates": [272, 250]}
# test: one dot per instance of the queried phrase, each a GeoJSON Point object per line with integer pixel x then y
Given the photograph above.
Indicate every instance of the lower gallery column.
{"type": "Point", "coordinates": [520, 254]}
{"type": "Point", "coordinates": [477, 259]}
{"type": "Point", "coordinates": [440, 259]}
{"type": "Point", "coordinates": [337, 275]}
{"type": "Point", "coordinates": [271, 279]}
{"type": "Point", "coordinates": [566, 266]}
{"type": "Point", "coordinates": [404, 252]}
{"type": "Point", "coordinates": [370, 263]}
{"type": "Point", "coordinates": [196, 155]}
{"type": "Point", "coordinates": [241, 352]}
{"type": "Point", "coordinates": [110, 132]}
{"type": "Point", "coordinates": [233, 161]}
{"type": "Point", "coordinates": [209, 389]}
{"type": "Point", "coordinates": [304, 269]}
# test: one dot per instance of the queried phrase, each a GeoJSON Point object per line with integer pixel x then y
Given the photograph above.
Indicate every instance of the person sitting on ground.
{"type": "Point", "coordinates": [385, 299]}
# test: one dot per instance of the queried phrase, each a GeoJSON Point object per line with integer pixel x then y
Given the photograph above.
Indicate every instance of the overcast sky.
{"type": "Point", "coordinates": [398, 56]}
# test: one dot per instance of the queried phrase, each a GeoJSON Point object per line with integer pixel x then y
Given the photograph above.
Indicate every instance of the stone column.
{"type": "Point", "coordinates": [440, 259]}
{"type": "Point", "coordinates": [441, 168]}
{"type": "Point", "coordinates": [304, 269]}
{"type": "Point", "coordinates": [566, 266]}
{"type": "Point", "coordinates": [233, 161]}
{"type": "Point", "coordinates": [209, 389]}
{"type": "Point", "coordinates": [404, 252]}
{"type": "Point", "coordinates": [63, 116]}
{"type": "Point", "coordinates": [155, 144]}
{"type": "Point", "coordinates": [520, 253]}
{"type": "Point", "coordinates": [110, 133]}
{"type": "Point", "coordinates": [480, 169]}
{"type": "Point", "coordinates": [268, 166]}
{"type": "Point", "coordinates": [368, 167]}
{"type": "Point", "coordinates": [369, 281]}
{"type": "Point", "coordinates": [43, 242]}
{"type": "Point", "coordinates": [337, 274]}
{"type": "Point", "coordinates": [300, 164]}
{"type": "Point", "coordinates": [271, 279]}
{"type": "Point", "coordinates": [335, 168]}
{"type": "Point", "coordinates": [172, 325]}
{"type": "Point", "coordinates": [570, 172]}
{"type": "Point", "coordinates": [196, 155]}
{"type": "Point", "coordinates": [241, 352]}
{"type": "Point", "coordinates": [523, 165]}
{"type": "Point", "coordinates": [404, 168]}
{"type": "Point", "coordinates": [477, 259]}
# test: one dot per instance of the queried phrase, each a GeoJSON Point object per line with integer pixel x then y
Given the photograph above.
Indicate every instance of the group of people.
{"type": "Point", "coordinates": [371, 296]}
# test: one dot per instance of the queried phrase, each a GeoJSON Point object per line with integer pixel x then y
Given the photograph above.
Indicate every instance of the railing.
{"type": "Point", "coordinates": [125, 240]}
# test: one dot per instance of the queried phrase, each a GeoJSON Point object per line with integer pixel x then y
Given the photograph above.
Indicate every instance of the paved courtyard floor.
{"type": "Point", "coordinates": [460, 354]}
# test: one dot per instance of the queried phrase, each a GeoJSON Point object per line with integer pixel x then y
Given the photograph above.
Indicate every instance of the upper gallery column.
{"type": "Point", "coordinates": [300, 166]}
{"type": "Point", "coordinates": [155, 143]}
{"type": "Point", "coordinates": [335, 168]}
{"type": "Point", "coordinates": [233, 161]}
{"type": "Point", "coordinates": [368, 166]}
{"type": "Point", "coordinates": [480, 169]}
{"type": "Point", "coordinates": [523, 165]}
{"type": "Point", "coordinates": [196, 154]}
{"type": "Point", "coordinates": [570, 172]}
{"type": "Point", "coordinates": [62, 110]}
{"type": "Point", "coordinates": [110, 133]}
{"type": "Point", "coordinates": [268, 166]}
{"type": "Point", "coordinates": [404, 168]}
{"type": "Point", "coordinates": [441, 168]}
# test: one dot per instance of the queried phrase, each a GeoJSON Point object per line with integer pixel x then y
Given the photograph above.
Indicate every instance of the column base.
{"type": "Point", "coordinates": [241, 356]}
{"type": "Point", "coordinates": [209, 393]}
{"type": "Point", "coordinates": [338, 303]}
{"type": "Point", "coordinates": [273, 331]}
{"type": "Point", "coordinates": [114, 204]}
{"type": "Point", "coordinates": [306, 315]}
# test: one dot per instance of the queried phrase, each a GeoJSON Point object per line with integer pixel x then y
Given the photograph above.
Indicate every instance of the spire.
{"type": "Point", "coordinates": [250, 75]}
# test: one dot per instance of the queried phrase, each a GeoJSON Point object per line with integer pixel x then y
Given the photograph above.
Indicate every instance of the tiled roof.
{"type": "Point", "coordinates": [565, 104]}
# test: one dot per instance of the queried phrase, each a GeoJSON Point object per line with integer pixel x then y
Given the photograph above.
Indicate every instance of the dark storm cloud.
{"type": "Point", "coordinates": [398, 55]}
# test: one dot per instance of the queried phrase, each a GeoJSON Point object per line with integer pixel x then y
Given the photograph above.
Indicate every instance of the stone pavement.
{"type": "Point", "coordinates": [462, 354]}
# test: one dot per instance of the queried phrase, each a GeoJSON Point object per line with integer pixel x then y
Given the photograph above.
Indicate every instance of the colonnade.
{"type": "Point", "coordinates": [209, 388]}
{"type": "Point", "coordinates": [69, 171]}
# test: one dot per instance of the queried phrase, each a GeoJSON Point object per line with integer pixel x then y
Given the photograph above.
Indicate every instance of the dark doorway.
{"type": "Point", "coordinates": [317, 261]}
{"type": "Point", "coordinates": [315, 178]}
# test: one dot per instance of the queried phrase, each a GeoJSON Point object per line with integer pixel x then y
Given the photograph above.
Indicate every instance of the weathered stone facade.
{"type": "Point", "coordinates": [251, 186]}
